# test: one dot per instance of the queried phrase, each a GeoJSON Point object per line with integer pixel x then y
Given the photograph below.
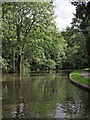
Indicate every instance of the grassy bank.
{"type": "Point", "coordinates": [76, 76]}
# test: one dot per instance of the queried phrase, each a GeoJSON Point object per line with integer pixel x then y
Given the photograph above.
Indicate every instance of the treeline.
{"type": "Point", "coordinates": [31, 41]}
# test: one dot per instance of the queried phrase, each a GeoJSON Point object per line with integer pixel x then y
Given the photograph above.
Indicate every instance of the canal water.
{"type": "Point", "coordinates": [45, 94]}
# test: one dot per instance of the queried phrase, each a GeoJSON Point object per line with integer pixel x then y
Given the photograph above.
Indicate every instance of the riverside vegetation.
{"type": "Point", "coordinates": [32, 41]}
{"type": "Point", "coordinates": [77, 76]}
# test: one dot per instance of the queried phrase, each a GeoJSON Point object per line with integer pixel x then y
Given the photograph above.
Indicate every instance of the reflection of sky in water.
{"type": "Point", "coordinates": [20, 110]}
{"type": "Point", "coordinates": [60, 112]}
{"type": "Point", "coordinates": [43, 95]}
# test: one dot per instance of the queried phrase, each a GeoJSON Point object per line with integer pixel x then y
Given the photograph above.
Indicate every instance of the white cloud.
{"type": "Point", "coordinates": [64, 11]}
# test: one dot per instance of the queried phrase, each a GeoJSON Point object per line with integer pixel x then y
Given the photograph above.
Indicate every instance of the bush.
{"type": "Point", "coordinates": [4, 64]}
{"type": "Point", "coordinates": [59, 65]}
{"type": "Point", "coordinates": [26, 66]}
{"type": "Point", "coordinates": [47, 64]}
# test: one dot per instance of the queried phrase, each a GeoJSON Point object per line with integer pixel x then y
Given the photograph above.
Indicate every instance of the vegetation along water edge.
{"type": "Point", "coordinates": [80, 79]}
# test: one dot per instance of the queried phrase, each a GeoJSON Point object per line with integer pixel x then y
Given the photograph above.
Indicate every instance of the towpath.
{"type": "Point", "coordinates": [85, 74]}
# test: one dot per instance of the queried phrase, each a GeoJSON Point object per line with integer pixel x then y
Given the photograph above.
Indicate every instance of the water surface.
{"type": "Point", "coordinates": [43, 95]}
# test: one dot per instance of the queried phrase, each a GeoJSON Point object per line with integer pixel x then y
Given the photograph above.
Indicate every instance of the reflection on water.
{"type": "Point", "coordinates": [43, 95]}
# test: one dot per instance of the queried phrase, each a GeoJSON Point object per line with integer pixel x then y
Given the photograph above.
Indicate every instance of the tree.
{"type": "Point", "coordinates": [46, 45]}
{"type": "Point", "coordinates": [81, 21]}
{"type": "Point", "coordinates": [30, 36]}
{"type": "Point", "coordinates": [20, 20]}
{"type": "Point", "coordinates": [76, 49]}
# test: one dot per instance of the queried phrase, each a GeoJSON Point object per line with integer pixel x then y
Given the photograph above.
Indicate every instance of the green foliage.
{"type": "Point", "coordinates": [59, 64]}
{"type": "Point", "coordinates": [30, 36]}
{"type": "Point", "coordinates": [50, 64]}
{"type": "Point", "coordinates": [76, 51]}
{"type": "Point", "coordinates": [31, 39]}
{"type": "Point", "coordinates": [26, 66]}
{"type": "Point", "coordinates": [81, 21]}
{"type": "Point", "coordinates": [46, 64]}
{"type": "Point", "coordinates": [76, 76]}
{"type": "Point", "coordinates": [4, 65]}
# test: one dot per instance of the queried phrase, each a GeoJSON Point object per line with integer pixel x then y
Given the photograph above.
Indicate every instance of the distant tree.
{"type": "Point", "coordinates": [82, 22]}
{"type": "Point", "coordinates": [76, 49]}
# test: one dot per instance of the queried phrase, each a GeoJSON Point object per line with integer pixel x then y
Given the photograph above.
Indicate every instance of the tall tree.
{"type": "Point", "coordinates": [82, 22]}
{"type": "Point", "coordinates": [76, 49]}
{"type": "Point", "coordinates": [19, 21]}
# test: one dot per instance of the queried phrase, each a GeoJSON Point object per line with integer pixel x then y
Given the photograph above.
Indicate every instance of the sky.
{"type": "Point", "coordinates": [64, 11]}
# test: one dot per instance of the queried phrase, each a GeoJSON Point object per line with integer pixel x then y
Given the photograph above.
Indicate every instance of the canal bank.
{"type": "Point", "coordinates": [81, 78]}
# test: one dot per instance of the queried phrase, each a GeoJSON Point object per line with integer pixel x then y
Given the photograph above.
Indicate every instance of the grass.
{"type": "Point", "coordinates": [76, 76]}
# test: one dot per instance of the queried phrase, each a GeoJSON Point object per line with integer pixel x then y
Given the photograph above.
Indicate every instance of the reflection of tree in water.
{"type": "Point", "coordinates": [21, 92]}
{"type": "Point", "coordinates": [76, 106]}
{"type": "Point", "coordinates": [19, 109]}
{"type": "Point", "coordinates": [32, 96]}
{"type": "Point", "coordinates": [13, 96]}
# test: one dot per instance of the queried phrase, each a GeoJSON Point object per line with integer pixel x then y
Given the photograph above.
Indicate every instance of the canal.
{"type": "Point", "coordinates": [45, 94]}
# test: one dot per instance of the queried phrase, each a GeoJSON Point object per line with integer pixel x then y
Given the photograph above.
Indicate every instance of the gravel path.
{"type": "Point", "coordinates": [85, 74]}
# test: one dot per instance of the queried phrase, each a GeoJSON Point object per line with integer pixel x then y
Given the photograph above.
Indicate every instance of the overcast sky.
{"type": "Point", "coordinates": [64, 11]}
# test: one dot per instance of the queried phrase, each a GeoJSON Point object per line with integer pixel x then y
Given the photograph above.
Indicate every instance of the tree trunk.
{"type": "Point", "coordinates": [20, 64]}
{"type": "Point", "coordinates": [74, 66]}
{"type": "Point", "coordinates": [13, 62]}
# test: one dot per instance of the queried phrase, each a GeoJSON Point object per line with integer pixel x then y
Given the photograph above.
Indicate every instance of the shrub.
{"type": "Point", "coordinates": [47, 64]}
{"type": "Point", "coordinates": [4, 65]}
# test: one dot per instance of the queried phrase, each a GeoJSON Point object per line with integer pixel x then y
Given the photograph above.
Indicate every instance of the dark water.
{"type": "Point", "coordinates": [43, 95]}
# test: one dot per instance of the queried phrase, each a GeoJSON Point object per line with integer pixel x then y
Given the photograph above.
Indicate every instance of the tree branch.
{"type": "Point", "coordinates": [26, 34]}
